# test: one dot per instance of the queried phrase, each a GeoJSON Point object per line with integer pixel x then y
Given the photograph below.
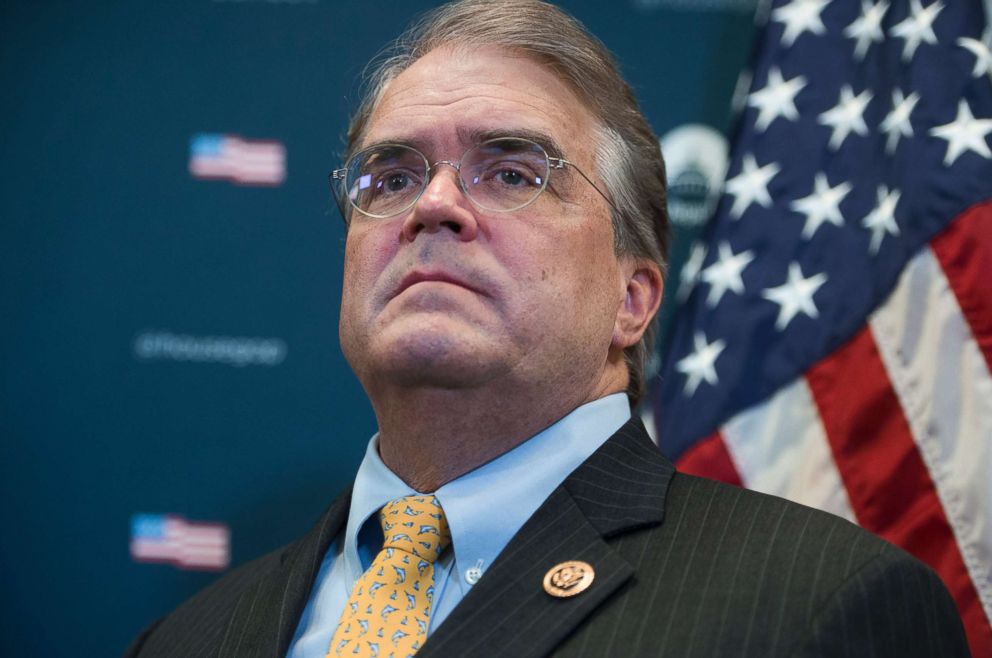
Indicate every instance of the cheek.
{"type": "Point", "coordinates": [600, 289]}
{"type": "Point", "coordinates": [569, 272]}
{"type": "Point", "coordinates": [367, 253]}
{"type": "Point", "coordinates": [594, 264]}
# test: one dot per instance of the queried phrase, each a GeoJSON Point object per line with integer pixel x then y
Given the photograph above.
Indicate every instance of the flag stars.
{"type": "Point", "coordinates": [867, 28]}
{"type": "Point", "coordinates": [917, 28]}
{"type": "Point", "coordinates": [795, 296]}
{"type": "Point", "coordinates": [882, 220]}
{"type": "Point", "coordinates": [800, 16]}
{"type": "Point", "coordinates": [822, 205]}
{"type": "Point", "coordinates": [725, 273]}
{"type": "Point", "coordinates": [847, 116]}
{"type": "Point", "coordinates": [896, 123]}
{"type": "Point", "coordinates": [776, 99]}
{"type": "Point", "coordinates": [982, 50]}
{"type": "Point", "coordinates": [700, 365]}
{"type": "Point", "coordinates": [965, 133]}
{"type": "Point", "coordinates": [751, 185]}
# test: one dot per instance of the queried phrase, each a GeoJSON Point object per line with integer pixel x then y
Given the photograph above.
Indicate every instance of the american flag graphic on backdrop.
{"type": "Point", "coordinates": [214, 156]}
{"type": "Point", "coordinates": [171, 539]}
{"type": "Point", "coordinates": [835, 343]}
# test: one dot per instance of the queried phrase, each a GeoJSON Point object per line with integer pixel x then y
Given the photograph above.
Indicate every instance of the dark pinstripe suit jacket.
{"type": "Point", "coordinates": [684, 567]}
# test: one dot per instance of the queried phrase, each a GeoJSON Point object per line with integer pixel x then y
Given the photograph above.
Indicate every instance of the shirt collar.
{"type": "Point", "coordinates": [515, 483]}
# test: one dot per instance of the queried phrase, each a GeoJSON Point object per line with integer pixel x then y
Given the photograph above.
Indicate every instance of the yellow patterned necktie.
{"type": "Point", "coordinates": [389, 608]}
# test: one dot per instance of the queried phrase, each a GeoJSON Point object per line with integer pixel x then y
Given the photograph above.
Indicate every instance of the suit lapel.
{"type": "Point", "coordinates": [266, 616]}
{"type": "Point", "coordinates": [619, 488]}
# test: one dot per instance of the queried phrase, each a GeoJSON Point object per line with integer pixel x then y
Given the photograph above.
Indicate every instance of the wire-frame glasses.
{"type": "Point", "coordinates": [498, 175]}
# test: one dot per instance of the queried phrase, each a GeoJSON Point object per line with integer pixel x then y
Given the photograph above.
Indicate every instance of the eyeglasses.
{"type": "Point", "coordinates": [499, 175]}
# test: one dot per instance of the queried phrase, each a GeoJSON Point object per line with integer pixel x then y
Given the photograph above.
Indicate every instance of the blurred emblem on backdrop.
{"type": "Point", "coordinates": [237, 160]}
{"type": "Point", "coordinates": [161, 345]}
{"type": "Point", "coordinates": [171, 539]}
{"type": "Point", "coordinates": [696, 162]}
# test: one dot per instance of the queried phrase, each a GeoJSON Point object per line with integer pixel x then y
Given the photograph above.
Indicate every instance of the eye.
{"type": "Point", "coordinates": [511, 177]}
{"type": "Point", "coordinates": [395, 182]}
{"type": "Point", "coordinates": [511, 174]}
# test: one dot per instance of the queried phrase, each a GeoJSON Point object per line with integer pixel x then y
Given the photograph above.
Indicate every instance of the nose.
{"type": "Point", "coordinates": [442, 207]}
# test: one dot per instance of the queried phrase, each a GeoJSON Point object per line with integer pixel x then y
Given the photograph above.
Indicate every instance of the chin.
{"type": "Point", "coordinates": [436, 359]}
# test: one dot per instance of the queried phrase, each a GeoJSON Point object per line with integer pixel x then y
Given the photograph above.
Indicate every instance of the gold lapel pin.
{"type": "Point", "coordinates": [568, 579]}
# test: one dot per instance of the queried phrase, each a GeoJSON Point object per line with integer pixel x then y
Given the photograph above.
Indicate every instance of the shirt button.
{"type": "Point", "coordinates": [473, 575]}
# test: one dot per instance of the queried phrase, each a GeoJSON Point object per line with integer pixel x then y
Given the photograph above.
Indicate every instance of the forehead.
{"type": "Point", "coordinates": [450, 97]}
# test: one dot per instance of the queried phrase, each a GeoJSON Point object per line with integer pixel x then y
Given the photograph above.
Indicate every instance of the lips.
{"type": "Point", "coordinates": [420, 276]}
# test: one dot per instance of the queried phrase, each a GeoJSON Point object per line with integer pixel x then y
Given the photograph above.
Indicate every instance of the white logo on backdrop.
{"type": "Point", "coordinates": [230, 350]}
{"type": "Point", "coordinates": [696, 159]}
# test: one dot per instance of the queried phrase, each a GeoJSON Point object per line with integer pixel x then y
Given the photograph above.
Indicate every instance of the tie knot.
{"type": "Point", "coordinates": [416, 525]}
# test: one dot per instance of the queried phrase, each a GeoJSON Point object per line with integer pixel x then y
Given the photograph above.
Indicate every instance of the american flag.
{"type": "Point", "coordinates": [174, 540]}
{"type": "Point", "coordinates": [836, 345]}
{"type": "Point", "coordinates": [238, 160]}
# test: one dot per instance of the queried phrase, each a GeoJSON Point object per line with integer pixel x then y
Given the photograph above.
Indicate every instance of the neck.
{"type": "Point", "coordinates": [430, 436]}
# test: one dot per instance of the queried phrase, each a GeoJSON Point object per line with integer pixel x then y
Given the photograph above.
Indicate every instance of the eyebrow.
{"type": "Point", "coordinates": [478, 135]}
{"type": "Point", "coordinates": [546, 141]}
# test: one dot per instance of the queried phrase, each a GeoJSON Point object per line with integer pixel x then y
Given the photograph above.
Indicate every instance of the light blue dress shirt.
{"type": "Point", "coordinates": [484, 508]}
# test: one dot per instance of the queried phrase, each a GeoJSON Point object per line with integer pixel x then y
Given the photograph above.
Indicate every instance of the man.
{"type": "Point", "coordinates": [504, 259]}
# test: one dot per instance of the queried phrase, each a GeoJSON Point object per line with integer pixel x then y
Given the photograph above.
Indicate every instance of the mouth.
{"type": "Point", "coordinates": [428, 276]}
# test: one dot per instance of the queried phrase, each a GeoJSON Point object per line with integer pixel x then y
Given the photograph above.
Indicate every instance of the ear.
{"type": "Point", "coordinates": [642, 297]}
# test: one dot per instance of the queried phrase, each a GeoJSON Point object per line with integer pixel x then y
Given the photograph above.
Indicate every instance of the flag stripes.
{"type": "Point", "coordinates": [945, 388]}
{"type": "Point", "coordinates": [893, 430]}
{"type": "Point", "coordinates": [710, 458]}
{"type": "Point", "coordinates": [781, 448]}
{"type": "Point", "coordinates": [891, 491]}
{"type": "Point", "coordinates": [964, 251]}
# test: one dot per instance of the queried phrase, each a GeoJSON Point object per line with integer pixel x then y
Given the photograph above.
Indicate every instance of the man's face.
{"type": "Point", "coordinates": [452, 296]}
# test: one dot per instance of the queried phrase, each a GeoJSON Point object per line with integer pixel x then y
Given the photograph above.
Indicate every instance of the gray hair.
{"type": "Point", "coordinates": [628, 158]}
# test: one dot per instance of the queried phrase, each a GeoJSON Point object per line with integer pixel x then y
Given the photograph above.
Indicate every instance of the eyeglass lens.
{"type": "Point", "coordinates": [501, 175]}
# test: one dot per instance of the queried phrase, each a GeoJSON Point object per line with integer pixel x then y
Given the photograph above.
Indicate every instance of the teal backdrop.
{"type": "Point", "coordinates": [170, 343]}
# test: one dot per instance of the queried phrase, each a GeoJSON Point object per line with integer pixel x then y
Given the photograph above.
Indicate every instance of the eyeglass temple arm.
{"type": "Point", "coordinates": [335, 178]}
{"type": "Point", "coordinates": [559, 163]}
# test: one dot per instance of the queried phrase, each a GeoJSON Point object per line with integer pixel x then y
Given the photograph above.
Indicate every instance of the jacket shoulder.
{"type": "Point", "coordinates": [733, 571]}
{"type": "Point", "coordinates": [757, 518]}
